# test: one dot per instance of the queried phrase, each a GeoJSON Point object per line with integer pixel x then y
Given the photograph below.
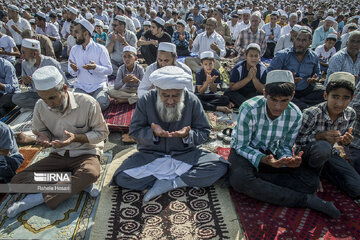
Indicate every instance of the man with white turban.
{"type": "Point", "coordinates": [168, 136]}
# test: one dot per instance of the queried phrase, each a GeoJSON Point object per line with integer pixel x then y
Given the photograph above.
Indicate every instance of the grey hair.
{"type": "Point", "coordinates": [28, 33]}
{"type": "Point", "coordinates": [353, 33]}
{"type": "Point", "coordinates": [60, 86]}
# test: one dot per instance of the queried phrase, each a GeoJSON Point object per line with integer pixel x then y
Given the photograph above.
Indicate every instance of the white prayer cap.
{"type": "Point", "coordinates": [26, 7]}
{"type": "Point", "coordinates": [46, 78]}
{"type": "Point", "coordinates": [120, 6]}
{"type": "Point", "coordinates": [284, 14]}
{"type": "Point", "coordinates": [253, 45]}
{"type": "Point", "coordinates": [30, 43]}
{"type": "Point", "coordinates": [246, 11]}
{"type": "Point", "coordinates": [240, 12]}
{"type": "Point", "coordinates": [72, 10]}
{"type": "Point", "coordinates": [275, 76]}
{"type": "Point", "coordinates": [32, 21]}
{"type": "Point", "coordinates": [106, 27]}
{"type": "Point", "coordinates": [339, 76]}
{"type": "Point", "coordinates": [41, 14]}
{"type": "Point", "coordinates": [275, 13]}
{"type": "Point", "coordinates": [293, 15]}
{"type": "Point", "coordinates": [88, 16]}
{"type": "Point", "coordinates": [207, 54]}
{"type": "Point", "coordinates": [147, 23]}
{"type": "Point", "coordinates": [182, 22]}
{"type": "Point", "coordinates": [130, 49]}
{"type": "Point", "coordinates": [159, 21]}
{"type": "Point", "coordinates": [296, 28]}
{"type": "Point", "coordinates": [120, 18]}
{"type": "Point", "coordinates": [86, 24]}
{"type": "Point", "coordinates": [170, 77]}
{"type": "Point", "coordinates": [332, 36]}
{"type": "Point", "coordinates": [167, 47]}
{"type": "Point", "coordinates": [329, 18]}
{"type": "Point", "coordinates": [99, 23]}
{"type": "Point", "coordinates": [14, 8]}
{"type": "Point", "coordinates": [257, 14]}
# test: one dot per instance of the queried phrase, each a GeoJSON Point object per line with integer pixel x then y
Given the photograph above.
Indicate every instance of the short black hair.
{"type": "Point", "coordinates": [158, 25]}
{"type": "Point", "coordinates": [333, 85]}
{"type": "Point", "coordinates": [280, 89]}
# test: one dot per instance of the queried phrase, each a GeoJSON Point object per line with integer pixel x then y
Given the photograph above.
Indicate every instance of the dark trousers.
{"type": "Point", "coordinates": [6, 103]}
{"type": "Point", "coordinates": [281, 186]}
{"type": "Point", "coordinates": [148, 54]}
{"type": "Point", "coordinates": [211, 101]}
{"type": "Point", "coordinates": [310, 96]}
{"type": "Point", "coordinates": [269, 53]}
{"type": "Point", "coordinates": [238, 98]}
{"type": "Point", "coordinates": [354, 155]}
{"type": "Point", "coordinates": [182, 51]}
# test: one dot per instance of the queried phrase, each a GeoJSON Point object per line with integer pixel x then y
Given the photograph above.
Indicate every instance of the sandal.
{"type": "Point", "coordinates": [227, 132]}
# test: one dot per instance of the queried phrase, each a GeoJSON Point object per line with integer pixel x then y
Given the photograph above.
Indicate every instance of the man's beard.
{"type": "Point", "coordinates": [30, 63]}
{"type": "Point", "coordinates": [80, 41]}
{"type": "Point", "coordinates": [62, 107]}
{"type": "Point", "coordinates": [170, 114]}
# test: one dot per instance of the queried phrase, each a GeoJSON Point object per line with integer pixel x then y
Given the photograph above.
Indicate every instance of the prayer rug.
{"type": "Point", "coordinates": [266, 221]}
{"type": "Point", "coordinates": [29, 154]}
{"type": "Point", "coordinates": [10, 116]}
{"type": "Point", "coordinates": [73, 219]}
{"type": "Point", "coordinates": [22, 123]}
{"type": "Point", "coordinates": [118, 116]}
{"type": "Point", "coordinates": [184, 213]}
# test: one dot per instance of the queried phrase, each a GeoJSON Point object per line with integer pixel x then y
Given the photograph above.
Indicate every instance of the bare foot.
{"type": "Point", "coordinates": [127, 139]}
{"type": "Point", "coordinates": [119, 101]}
{"type": "Point", "coordinates": [24, 139]}
{"type": "Point", "coordinates": [223, 109]}
{"type": "Point", "coordinates": [231, 105]}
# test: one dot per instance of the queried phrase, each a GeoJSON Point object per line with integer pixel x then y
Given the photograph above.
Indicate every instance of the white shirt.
{"type": "Point", "coordinates": [22, 24]}
{"type": "Point", "coordinates": [240, 27]}
{"type": "Point", "coordinates": [90, 80]}
{"type": "Point", "coordinates": [7, 43]}
{"type": "Point", "coordinates": [285, 30]}
{"type": "Point", "coordinates": [202, 43]}
{"type": "Point", "coordinates": [2, 29]}
{"type": "Point", "coordinates": [232, 29]}
{"type": "Point", "coordinates": [136, 22]}
{"type": "Point", "coordinates": [70, 42]}
{"type": "Point", "coordinates": [324, 56]}
{"type": "Point", "coordinates": [65, 29]}
{"type": "Point", "coordinates": [276, 29]}
{"type": "Point", "coordinates": [50, 29]}
{"type": "Point", "coordinates": [283, 42]}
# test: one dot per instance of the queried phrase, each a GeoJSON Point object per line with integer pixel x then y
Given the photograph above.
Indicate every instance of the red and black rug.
{"type": "Point", "coordinates": [118, 116]}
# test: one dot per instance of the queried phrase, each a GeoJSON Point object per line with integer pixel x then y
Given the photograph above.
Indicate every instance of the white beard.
{"type": "Point", "coordinates": [62, 107]}
{"type": "Point", "coordinates": [30, 63]}
{"type": "Point", "coordinates": [167, 114]}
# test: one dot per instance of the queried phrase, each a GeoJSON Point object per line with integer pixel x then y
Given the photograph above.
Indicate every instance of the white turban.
{"type": "Point", "coordinates": [170, 77]}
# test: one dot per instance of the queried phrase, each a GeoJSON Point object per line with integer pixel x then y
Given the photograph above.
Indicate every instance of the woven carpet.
{"type": "Point", "coordinates": [29, 154]}
{"type": "Point", "coordinates": [185, 213]}
{"type": "Point", "coordinates": [72, 219]}
{"type": "Point", "coordinates": [266, 221]}
{"type": "Point", "coordinates": [118, 116]}
{"type": "Point", "coordinates": [8, 118]}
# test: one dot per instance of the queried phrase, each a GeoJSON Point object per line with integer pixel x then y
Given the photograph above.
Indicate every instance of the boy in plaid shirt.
{"type": "Point", "coordinates": [263, 165]}
{"type": "Point", "coordinates": [328, 123]}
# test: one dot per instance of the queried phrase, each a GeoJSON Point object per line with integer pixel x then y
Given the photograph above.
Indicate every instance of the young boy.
{"type": "Point", "coordinates": [207, 80]}
{"type": "Point", "coordinates": [248, 77]}
{"type": "Point", "coordinates": [354, 148]}
{"type": "Point", "coordinates": [262, 163]}
{"type": "Point", "coordinates": [328, 123]}
{"type": "Point", "coordinates": [100, 36]}
{"type": "Point", "coordinates": [326, 51]}
{"type": "Point", "coordinates": [128, 78]}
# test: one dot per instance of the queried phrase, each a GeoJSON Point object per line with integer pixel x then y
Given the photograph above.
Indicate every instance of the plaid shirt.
{"type": "Point", "coordinates": [255, 131]}
{"type": "Point", "coordinates": [246, 37]}
{"type": "Point", "coordinates": [316, 119]}
{"type": "Point", "coordinates": [176, 39]}
{"type": "Point", "coordinates": [355, 103]}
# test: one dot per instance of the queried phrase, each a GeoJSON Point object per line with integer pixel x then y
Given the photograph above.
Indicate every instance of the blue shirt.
{"type": "Point", "coordinates": [342, 62]}
{"type": "Point", "coordinates": [103, 37]}
{"type": "Point", "coordinates": [8, 77]}
{"type": "Point", "coordinates": [197, 19]}
{"type": "Point", "coordinates": [175, 39]}
{"type": "Point", "coordinates": [287, 60]}
{"type": "Point", "coordinates": [200, 77]}
{"type": "Point", "coordinates": [239, 72]}
{"type": "Point", "coordinates": [320, 35]}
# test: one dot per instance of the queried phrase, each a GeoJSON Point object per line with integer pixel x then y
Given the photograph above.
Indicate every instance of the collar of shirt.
{"type": "Point", "coordinates": [347, 53]}
{"type": "Point", "coordinates": [343, 117]}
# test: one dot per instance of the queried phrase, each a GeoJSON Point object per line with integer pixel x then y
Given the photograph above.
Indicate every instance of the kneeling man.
{"type": "Point", "coordinates": [73, 125]}
{"type": "Point", "coordinates": [168, 135]}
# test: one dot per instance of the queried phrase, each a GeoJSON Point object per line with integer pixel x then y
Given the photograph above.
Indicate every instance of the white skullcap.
{"type": "Point", "coordinates": [130, 49]}
{"type": "Point", "coordinates": [30, 43]}
{"type": "Point", "coordinates": [86, 24]}
{"type": "Point", "coordinates": [147, 23]}
{"type": "Point", "coordinates": [329, 18]}
{"type": "Point", "coordinates": [293, 15]}
{"type": "Point", "coordinates": [106, 27]}
{"type": "Point", "coordinates": [88, 16]}
{"type": "Point", "coordinates": [170, 77]}
{"type": "Point", "coordinates": [275, 13]}
{"type": "Point", "coordinates": [207, 54]}
{"type": "Point", "coordinates": [257, 14]}
{"type": "Point", "coordinates": [296, 28]}
{"type": "Point", "coordinates": [159, 21]}
{"type": "Point", "coordinates": [182, 22]}
{"type": "Point", "coordinates": [72, 10]}
{"type": "Point", "coordinates": [338, 76]}
{"type": "Point", "coordinates": [13, 7]}
{"type": "Point", "coordinates": [253, 45]}
{"type": "Point", "coordinates": [332, 36]}
{"type": "Point", "coordinates": [40, 14]}
{"type": "Point", "coordinates": [279, 76]}
{"type": "Point", "coordinates": [120, 18]}
{"type": "Point", "coordinates": [120, 6]}
{"type": "Point", "coordinates": [32, 21]}
{"type": "Point", "coordinates": [167, 47]}
{"type": "Point", "coordinates": [240, 12]}
{"type": "Point", "coordinates": [99, 23]}
{"type": "Point", "coordinates": [284, 14]}
{"type": "Point", "coordinates": [26, 7]}
{"type": "Point", "coordinates": [246, 11]}
{"type": "Point", "coordinates": [46, 78]}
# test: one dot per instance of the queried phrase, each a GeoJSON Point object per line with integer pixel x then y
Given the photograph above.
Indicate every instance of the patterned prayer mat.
{"type": "Point", "coordinates": [8, 118]}
{"type": "Point", "coordinates": [266, 221]}
{"type": "Point", "coordinates": [185, 213]}
{"type": "Point", "coordinates": [29, 154]}
{"type": "Point", "coordinates": [118, 116]}
{"type": "Point", "coordinates": [73, 219]}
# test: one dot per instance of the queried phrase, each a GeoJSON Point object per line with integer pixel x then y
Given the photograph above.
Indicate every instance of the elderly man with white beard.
{"type": "Point", "coordinates": [32, 60]}
{"type": "Point", "coordinates": [168, 135]}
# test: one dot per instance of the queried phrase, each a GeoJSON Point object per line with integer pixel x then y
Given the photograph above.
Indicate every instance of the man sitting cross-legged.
{"type": "Point", "coordinates": [168, 135]}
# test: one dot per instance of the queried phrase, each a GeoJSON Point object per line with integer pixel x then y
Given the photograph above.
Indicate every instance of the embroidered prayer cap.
{"type": "Point", "coordinates": [342, 76]}
{"type": "Point", "coordinates": [120, 18]}
{"type": "Point", "coordinates": [32, 21]}
{"type": "Point", "coordinates": [253, 45]}
{"type": "Point", "coordinates": [88, 16]}
{"type": "Point", "coordinates": [170, 77]}
{"type": "Point", "coordinates": [332, 36]}
{"type": "Point", "coordinates": [207, 55]}
{"type": "Point", "coordinates": [30, 43]}
{"type": "Point", "coordinates": [13, 8]}
{"type": "Point", "coordinates": [167, 47]}
{"type": "Point", "coordinates": [147, 23]}
{"type": "Point", "coordinates": [275, 13]}
{"type": "Point", "coordinates": [279, 76]}
{"type": "Point", "coordinates": [159, 21]}
{"type": "Point", "coordinates": [130, 49]}
{"type": "Point", "coordinates": [329, 18]}
{"type": "Point", "coordinates": [257, 14]}
{"type": "Point", "coordinates": [86, 24]}
{"type": "Point", "coordinates": [182, 22]}
{"type": "Point", "coordinates": [46, 78]}
{"type": "Point", "coordinates": [73, 10]}
{"type": "Point", "coordinates": [40, 14]}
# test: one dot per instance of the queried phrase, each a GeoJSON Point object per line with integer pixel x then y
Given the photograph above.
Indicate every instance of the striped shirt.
{"type": "Point", "coordinates": [246, 37]}
{"type": "Point", "coordinates": [255, 132]}
{"type": "Point", "coordinates": [355, 103]}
